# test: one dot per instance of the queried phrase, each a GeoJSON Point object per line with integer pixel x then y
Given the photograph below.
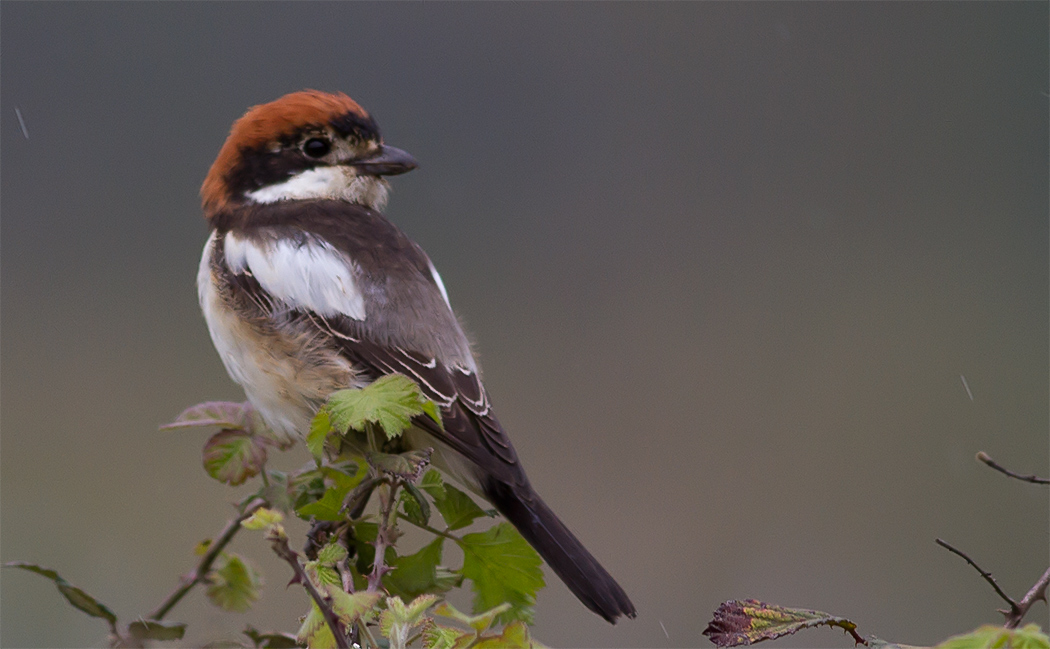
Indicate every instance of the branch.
{"type": "Point", "coordinates": [280, 546]}
{"type": "Point", "coordinates": [1034, 594]}
{"type": "Point", "coordinates": [1014, 608]}
{"type": "Point", "coordinates": [385, 536]}
{"type": "Point", "coordinates": [200, 573]}
{"type": "Point", "coordinates": [1034, 479]}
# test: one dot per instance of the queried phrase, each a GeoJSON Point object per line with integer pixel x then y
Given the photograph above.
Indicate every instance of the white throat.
{"type": "Point", "coordinates": [335, 182]}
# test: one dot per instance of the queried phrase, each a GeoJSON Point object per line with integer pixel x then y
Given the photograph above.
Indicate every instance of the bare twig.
{"type": "Point", "coordinates": [987, 575]}
{"type": "Point", "coordinates": [280, 546]}
{"type": "Point", "coordinates": [1034, 479]}
{"type": "Point", "coordinates": [200, 573]}
{"type": "Point", "coordinates": [1034, 594]}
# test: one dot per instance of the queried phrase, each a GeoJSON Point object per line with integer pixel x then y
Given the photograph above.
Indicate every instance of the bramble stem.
{"type": "Point", "coordinates": [1034, 594]}
{"type": "Point", "coordinates": [200, 573]}
{"type": "Point", "coordinates": [984, 573]}
{"type": "Point", "coordinates": [385, 536]}
{"type": "Point", "coordinates": [280, 546]}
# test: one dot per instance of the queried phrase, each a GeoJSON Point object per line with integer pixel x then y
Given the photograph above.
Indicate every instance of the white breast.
{"type": "Point", "coordinates": [284, 373]}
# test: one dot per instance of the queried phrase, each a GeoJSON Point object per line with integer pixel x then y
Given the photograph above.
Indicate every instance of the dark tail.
{"type": "Point", "coordinates": [562, 551]}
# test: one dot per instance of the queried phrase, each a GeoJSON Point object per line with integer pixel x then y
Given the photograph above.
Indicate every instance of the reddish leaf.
{"type": "Point", "coordinates": [233, 456]}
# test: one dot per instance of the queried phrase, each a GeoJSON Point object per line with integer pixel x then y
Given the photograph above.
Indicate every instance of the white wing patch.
{"type": "Point", "coordinates": [440, 284]}
{"type": "Point", "coordinates": [305, 275]}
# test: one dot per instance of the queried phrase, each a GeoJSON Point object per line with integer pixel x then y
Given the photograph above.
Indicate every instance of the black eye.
{"type": "Point", "coordinates": [315, 147]}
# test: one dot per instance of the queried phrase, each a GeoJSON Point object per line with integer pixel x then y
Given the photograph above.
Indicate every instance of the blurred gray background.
{"type": "Point", "coordinates": [725, 265]}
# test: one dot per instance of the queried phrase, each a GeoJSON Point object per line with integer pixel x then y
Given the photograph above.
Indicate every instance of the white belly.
{"type": "Point", "coordinates": [286, 373]}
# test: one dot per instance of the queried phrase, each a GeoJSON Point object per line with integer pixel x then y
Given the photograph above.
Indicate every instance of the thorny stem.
{"type": "Point", "coordinates": [1034, 594]}
{"type": "Point", "coordinates": [280, 547]}
{"type": "Point", "coordinates": [1034, 479]}
{"type": "Point", "coordinates": [384, 536]}
{"type": "Point", "coordinates": [200, 573]}
{"type": "Point", "coordinates": [987, 576]}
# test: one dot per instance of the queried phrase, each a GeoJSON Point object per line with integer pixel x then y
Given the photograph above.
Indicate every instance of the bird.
{"type": "Point", "coordinates": [307, 289]}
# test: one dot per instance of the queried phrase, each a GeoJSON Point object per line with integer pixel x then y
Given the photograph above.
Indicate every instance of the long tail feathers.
{"type": "Point", "coordinates": [562, 551]}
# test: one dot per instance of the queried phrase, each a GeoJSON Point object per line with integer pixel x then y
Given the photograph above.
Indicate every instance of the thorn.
{"type": "Point", "coordinates": [22, 123]}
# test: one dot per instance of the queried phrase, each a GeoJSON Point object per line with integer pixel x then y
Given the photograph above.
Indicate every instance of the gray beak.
{"type": "Point", "coordinates": [387, 161]}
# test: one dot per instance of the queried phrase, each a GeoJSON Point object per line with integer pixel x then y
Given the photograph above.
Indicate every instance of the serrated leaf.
{"type": "Point", "coordinates": [351, 607]}
{"type": "Point", "coordinates": [234, 585]}
{"type": "Point", "coordinates": [75, 596]}
{"type": "Point", "coordinates": [270, 640]}
{"type": "Point", "coordinates": [331, 554]}
{"type": "Point", "coordinates": [994, 637]}
{"type": "Point", "coordinates": [419, 605]}
{"type": "Point", "coordinates": [749, 621]}
{"type": "Point", "coordinates": [416, 574]}
{"type": "Point", "coordinates": [314, 632]}
{"type": "Point", "coordinates": [154, 630]}
{"type": "Point", "coordinates": [514, 636]}
{"type": "Point", "coordinates": [262, 518]}
{"type": "Point", "coordinates": [320, 426]}
{"type": "Point", "coordinates": [398, 620]}
{"type": "Point", "coordinates": [457, 508]}
{"type": "Point", "coordinates": [503, 568]}
{"type": "Point", "coordinates": [390, 401]}
{"type": "Point", "coordinates": [407, 466]}
{"type": "Point", "coordinates": [233, 456]}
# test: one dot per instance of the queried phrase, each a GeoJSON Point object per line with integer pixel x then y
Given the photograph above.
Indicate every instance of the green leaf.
{"type": "Point", "coordinates": [398, 620]}
{"type": "Point", "coordinates": [994, 637]}
{"type": "Point", "coordinates": [479, 622]}
{"type": "Point", "coordinates": [331, 554]}
{"type": "Point", "coordinates": [390, 401]}
{"type": "Point", "coordinates": [749, 621]}
{"type": "Point", "coordinates": [433, 484]}
{"type": "Point", "coordinates": [233, 456]}
{"type": "Point", "coordinates": [262, 518]}
{"type": "Point", "coordinates": [329, 507]}
{"type": "Point", "coordinates": [407, 466]}
{"type": "Point", "coordinates": [437, 636]}
{"type": "Point", "coordinates": [154, 630]}
{"type": "Point", "coordinates": [320, 426]}
{"type": "Point", "coordinates": [457, 508]}
{"type": "Point", "coordinates": [270, 640]}
{"type": "Point", "coordinates": [514, 636]}
{"type": "Point", "coordinates": [351, 607]}
{"type": "Point", "coordinates": [314, 631]}
{"type": "Point", "coordinates": [414, 505]}
{"type": "Point", "coordinates": [416, 574]}
{"type": "Point", "coordinates": [73, 595]}
{"type": "Point", "coordinates": [503, 568]}
{"type": "Point", "coordinates": [234, 585]}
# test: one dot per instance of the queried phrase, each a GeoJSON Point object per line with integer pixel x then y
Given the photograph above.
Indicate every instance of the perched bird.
{"type": "Point", "coordinates": [308, 289]}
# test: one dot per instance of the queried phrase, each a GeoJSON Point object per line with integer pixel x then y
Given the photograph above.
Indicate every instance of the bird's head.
{"type": "Point", "coordinates": [305, 145]}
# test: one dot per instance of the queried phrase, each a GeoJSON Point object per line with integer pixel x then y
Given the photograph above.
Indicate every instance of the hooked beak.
{"type": "Point", "coordinates": [386, 161]}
